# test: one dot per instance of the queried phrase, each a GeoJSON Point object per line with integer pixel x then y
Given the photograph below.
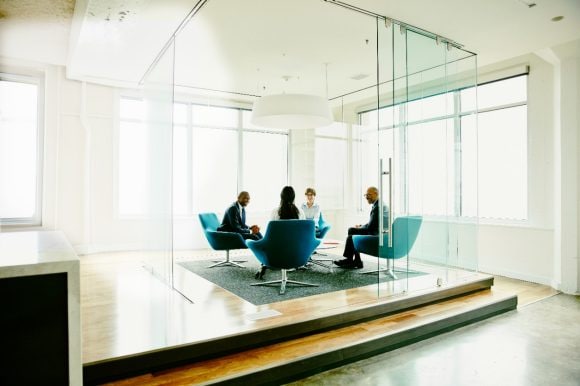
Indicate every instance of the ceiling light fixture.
{"type": "Point", "coordinates": [557, 18]}
{"type": "Point", "coordinates": [291, 111]}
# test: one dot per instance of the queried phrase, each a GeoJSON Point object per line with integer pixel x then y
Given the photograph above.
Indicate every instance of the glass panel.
{"type": "Point", "coordinates": [133, 175]}
{"type": "Point", "coordinates": [425, 148]}
{"type": "Point", "coordinates": [431, 107]}
{"type": "Point", "coordinates": [330, 172]}
{"type": "Point", "coordinates": [257, 148]}
{"type": "Point", "coordinates": [421, 228]}
{"type": "Point", "coordinates": [215, 153]}
{"type": "Point", "coordinates": [181, 171]}
{"type": "Point", "coordinates": [214, 116]}
{"type": "Point", "coordinates": [132, 109]}
{"type": "Point", "coordinates": [336, 130]}
{"type": "Point", "coordinates": [502, 163]}
{"type": "Point", "coordinates": [463, 231]}
{"type": "Point", "coordinates": [430, 163]}
{"type": "Point", "coordinates": [393, 90]}
{"type": "Point", "coordinates": [180, 113]}
{"type": "Point", "coordinates": [493, 94]}
{"type": "Point", "coordinates": [156, 224]}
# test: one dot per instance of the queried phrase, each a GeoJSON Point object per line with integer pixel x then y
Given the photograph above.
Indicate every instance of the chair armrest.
{"type": "Point", "coordinates": [256, 244]}
{"type": "Point", "coordinates": [322, 231]}
{"type": "Point", "coordinates": [368, 244]}
{"type": "Point", "coordinates": [225, 240]}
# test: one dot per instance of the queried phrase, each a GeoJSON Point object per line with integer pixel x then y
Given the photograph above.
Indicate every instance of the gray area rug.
{"type": "Point", "coordinates": [237, 280]}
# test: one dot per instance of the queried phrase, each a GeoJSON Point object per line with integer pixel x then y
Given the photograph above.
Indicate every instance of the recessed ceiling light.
{"type": "Point", "coordinates": [359, 76]}
{"type": "Point", "coordinates": [557, 18]}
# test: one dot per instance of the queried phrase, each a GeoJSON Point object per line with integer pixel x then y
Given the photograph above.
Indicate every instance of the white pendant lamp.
{"type": "Point", "coordinates": [291, 111]}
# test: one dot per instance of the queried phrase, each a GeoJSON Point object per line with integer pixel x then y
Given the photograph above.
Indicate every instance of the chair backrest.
{"type": "Point", "coordinates": [286, 244]}
{"type": "Point", "coordinates": [321, 222]}
{"type": "Point", "coordinates": [323, 227]}
{"type": "Point", "coordinates": [405, 231]}
{"type": "Point", "coordinates": [209, 221]}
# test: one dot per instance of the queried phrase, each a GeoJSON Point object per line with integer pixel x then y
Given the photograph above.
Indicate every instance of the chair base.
{"type": "Point", "coordinates": [283, 281]}
{"type": "Point", "coordinates": [390, 270]}
{"type": "Point", "coordinates": [227, 262]}
{"type": "Point", "coordinates": [320, 262]}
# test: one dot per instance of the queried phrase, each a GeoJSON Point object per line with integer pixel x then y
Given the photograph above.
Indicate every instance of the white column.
{"type": "Point", "coordinates": [567, 167]}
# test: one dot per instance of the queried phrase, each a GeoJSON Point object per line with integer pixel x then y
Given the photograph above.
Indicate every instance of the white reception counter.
{"type": "Point", "coordinates": [40, 303]}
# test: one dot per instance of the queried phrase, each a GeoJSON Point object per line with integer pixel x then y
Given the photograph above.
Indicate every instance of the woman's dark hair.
{"type": "Point", "coordinates": [288, 210]}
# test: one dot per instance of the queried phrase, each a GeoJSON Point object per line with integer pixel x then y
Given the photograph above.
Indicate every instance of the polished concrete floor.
{"type": "Point", "coordinates": [538, 344]}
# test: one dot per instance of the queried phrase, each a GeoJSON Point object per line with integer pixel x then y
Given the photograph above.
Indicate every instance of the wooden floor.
{"type": "Point", "coordinates": [125, 310]}
{"type": "Point", "coordinates": [307, 349]}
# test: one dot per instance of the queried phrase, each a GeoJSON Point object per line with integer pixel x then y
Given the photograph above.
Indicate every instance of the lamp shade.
{"type": "Point", "coordinates": [291, 111]}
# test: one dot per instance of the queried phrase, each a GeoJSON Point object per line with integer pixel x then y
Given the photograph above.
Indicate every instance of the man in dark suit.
{"type": "Point", "coordinates": [235, 219]}
{"type": "Point", "coordinates": [352, 257]}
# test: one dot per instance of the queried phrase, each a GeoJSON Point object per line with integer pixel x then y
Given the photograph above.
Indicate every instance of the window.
{"type": "Point", "coordinates": [215, 168]}
{"type": "Point", "coordinates": [429, 159]}
{"type": "Point", "coordinates": [20, 150]}
{"type": "Point", "coordinates": [133, 159]}
{"type": "Point", "coordinates": [265, 168]}
{"type": "Point", "coordinates": [330, 169]}
{"type": "Point", "coordinates": [456, 165]}
{"type": "Point", "coordinates": [502, 149]}
{"type": "Point", "coordinates": [216, 153]}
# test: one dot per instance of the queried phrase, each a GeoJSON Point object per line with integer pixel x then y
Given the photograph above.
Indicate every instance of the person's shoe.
{"type": "Point", "coordinates": [260, 274]}
{"type": "Point", "coordinates": [342, 262]}
{"type": "Point", "coordinates": [356, 264]}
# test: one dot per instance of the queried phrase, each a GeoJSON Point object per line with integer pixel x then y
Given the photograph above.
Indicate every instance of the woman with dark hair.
{"type": "Point", "coordinates": [287, 210]}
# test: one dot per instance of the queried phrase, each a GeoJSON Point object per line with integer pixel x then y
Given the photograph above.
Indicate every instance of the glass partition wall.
{"type": "Point", "coordinates": [421, 152]}
{"type": "Point", "coordinates": [154, 219]}
{"type": "Point", "coordinates": [397, 127]}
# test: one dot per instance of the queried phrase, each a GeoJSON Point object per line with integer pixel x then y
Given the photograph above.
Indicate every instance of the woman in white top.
{"type": "Point", "coordinates": [287, 210]}
{"type": "Point", "coordinates": [310, 208]}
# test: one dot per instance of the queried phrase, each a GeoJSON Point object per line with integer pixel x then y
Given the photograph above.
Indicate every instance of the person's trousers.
{"type": "Point", "coordinates": [349, 251]}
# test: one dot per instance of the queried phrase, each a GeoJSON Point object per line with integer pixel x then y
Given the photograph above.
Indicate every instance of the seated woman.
{"type": "Point", "coordinates": [286, 211]}
{"type": "Point", "coordinates": [311, 209]}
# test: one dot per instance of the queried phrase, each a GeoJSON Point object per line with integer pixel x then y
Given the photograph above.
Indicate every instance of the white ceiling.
{"type": "Point", "coordinates": [35, 30]}
{"type": "Point", "coordinates": [252, 46]}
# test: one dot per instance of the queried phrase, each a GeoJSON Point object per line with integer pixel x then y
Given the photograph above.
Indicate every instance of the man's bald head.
{"type": "Point", "coordinates": [243, 198]}
{"type": "Point", "coordinates": [372, 194]}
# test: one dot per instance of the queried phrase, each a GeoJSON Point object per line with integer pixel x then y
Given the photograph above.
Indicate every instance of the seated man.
{"type": "Point", "coordinates": [352, 257]}
{"type": "Point", "coordinates": [235, 219]}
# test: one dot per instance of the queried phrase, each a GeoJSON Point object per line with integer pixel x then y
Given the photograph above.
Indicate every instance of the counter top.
{"type": "Point", "coordinates": [48, 251]}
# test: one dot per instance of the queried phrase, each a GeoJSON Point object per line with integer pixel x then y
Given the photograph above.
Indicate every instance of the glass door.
{"type": "Point", "coordinates": [391, 170]}
{"type": "Point", "coordinates": [427, 239]}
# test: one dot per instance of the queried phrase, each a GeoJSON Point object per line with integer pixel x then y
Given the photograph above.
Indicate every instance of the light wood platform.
{"type": "Point", "coordinates": [129, 317]}
{"type": "Point", "coordinates": [298, 357]}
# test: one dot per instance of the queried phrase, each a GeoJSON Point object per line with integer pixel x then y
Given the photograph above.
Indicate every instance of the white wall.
{"type": "Point", "coordinates": [544, 249]}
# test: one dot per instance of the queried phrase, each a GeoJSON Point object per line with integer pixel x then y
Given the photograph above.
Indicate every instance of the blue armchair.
{"type": "Point", "coordinates": [323, 228]}
{"type": "Point", "coordinates": [287, 244]}
{"type": "Point", "coordinates": [221, 241]}
{"type": "Point", "coordinates": [405, 231]}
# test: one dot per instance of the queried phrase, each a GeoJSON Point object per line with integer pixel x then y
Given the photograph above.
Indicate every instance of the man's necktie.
{"type": "Point", "coordinates": [243, 215]}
